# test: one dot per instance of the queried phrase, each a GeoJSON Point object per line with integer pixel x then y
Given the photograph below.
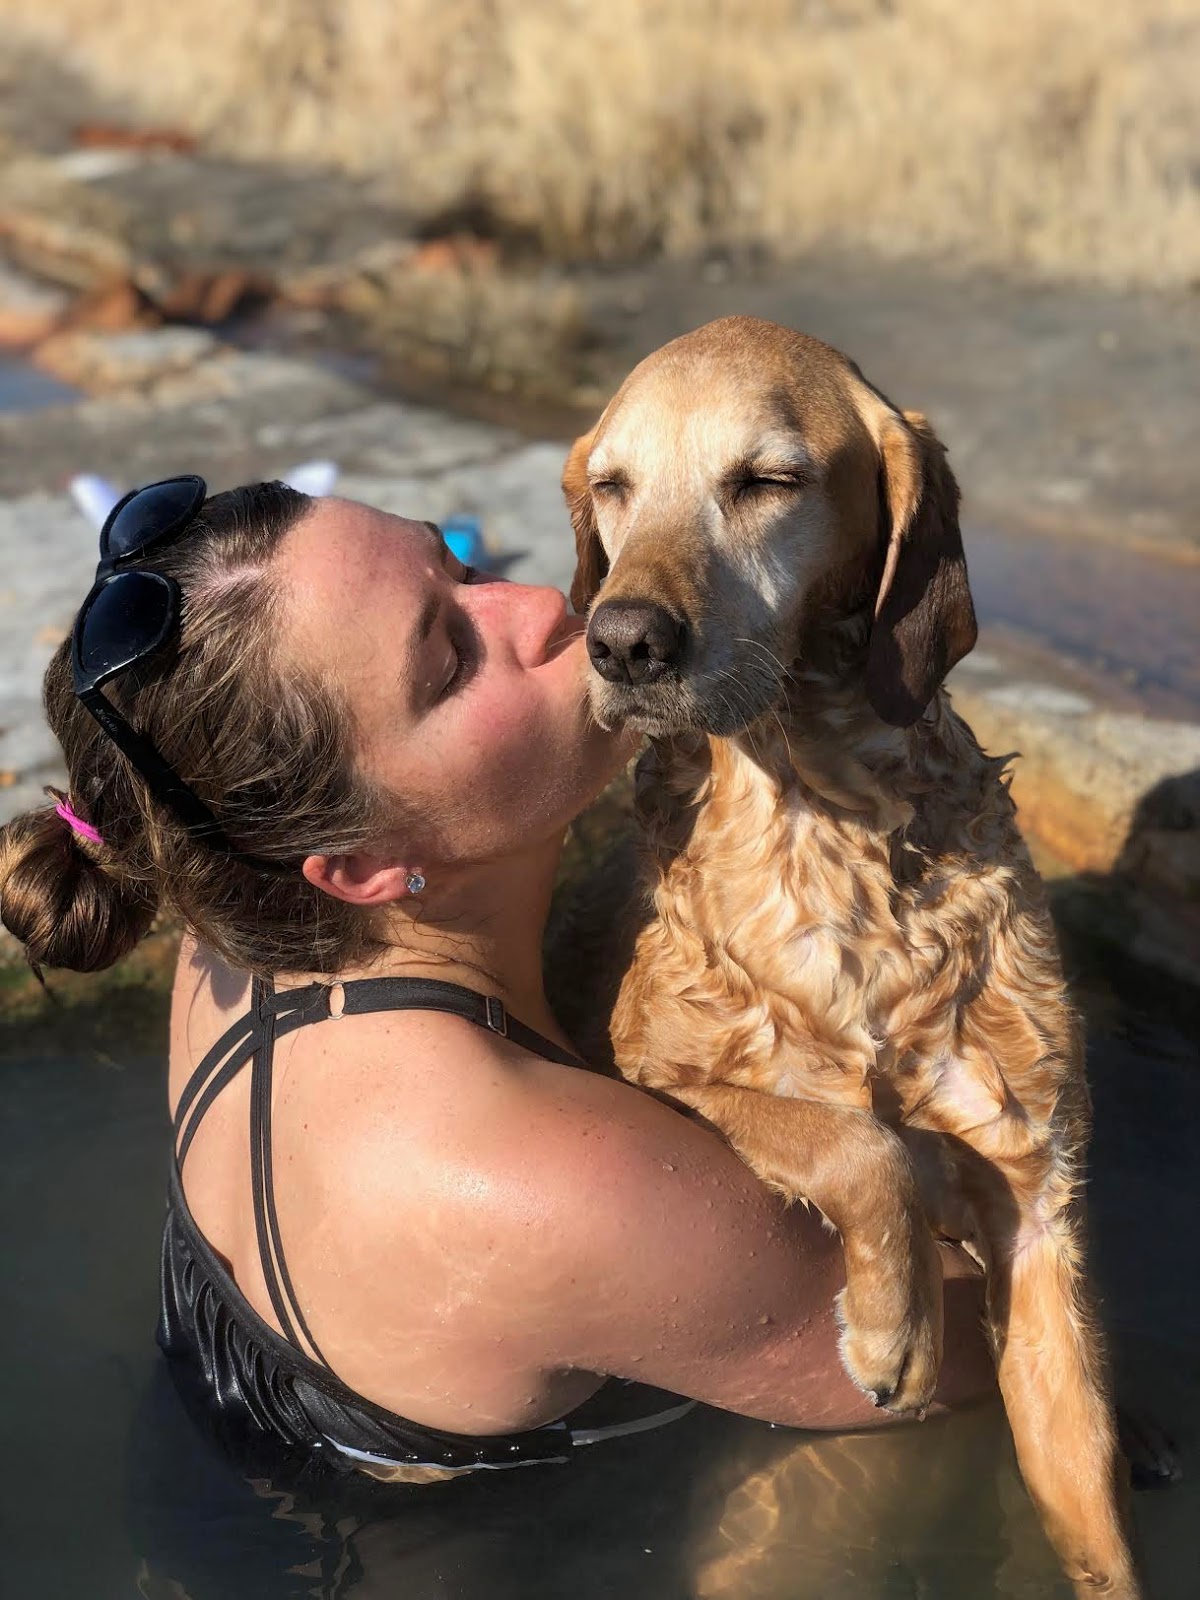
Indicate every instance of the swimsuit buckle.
{"type": "Point", "coordinates": [497, 1017]}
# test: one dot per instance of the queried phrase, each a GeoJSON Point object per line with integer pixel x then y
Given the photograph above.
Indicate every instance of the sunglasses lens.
{"type": "Point", "coordinates": [128, 619]}
{"type": "Point", "coordinates": [152, 514]}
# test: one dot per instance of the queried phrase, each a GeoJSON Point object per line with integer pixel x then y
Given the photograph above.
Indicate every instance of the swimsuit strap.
{"type": "Point", "coordinates": [433, 994]}
{"type": "Point", "coordinates": [252, 1040]}
{"type": "Point", "coordinates": [262, 1177]}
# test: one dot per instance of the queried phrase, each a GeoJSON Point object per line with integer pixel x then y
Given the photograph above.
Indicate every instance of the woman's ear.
{"type": "Point", "coordinates": [924, 615]}
{"type": "Point", "coordinates": [358, 879]}
{"type": "Point", "coordinates": [591, 563]}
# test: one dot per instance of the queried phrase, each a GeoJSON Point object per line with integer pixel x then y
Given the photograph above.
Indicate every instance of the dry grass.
{"type": "Point", "coordinates": [1057, 135]}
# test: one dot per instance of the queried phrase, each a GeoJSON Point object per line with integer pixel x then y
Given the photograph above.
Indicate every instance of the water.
{"type": "Point", "coordinates": [1126, 617]}
{"type": "Point", "coordinates": [24, 388]}
{"type": "Point", "coordinates": [108, 1489]}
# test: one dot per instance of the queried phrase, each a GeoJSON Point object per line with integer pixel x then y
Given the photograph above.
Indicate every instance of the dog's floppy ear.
{"type": "Point", "coordinates": [924, 617]}
{"type": "Point", "coordinates": [591, 563]}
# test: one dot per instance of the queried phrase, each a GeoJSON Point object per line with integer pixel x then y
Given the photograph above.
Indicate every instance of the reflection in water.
{"type": "Point", "coordinates": [912, 1511]}
{"type": "Point", "coordinates": [715, 1508]}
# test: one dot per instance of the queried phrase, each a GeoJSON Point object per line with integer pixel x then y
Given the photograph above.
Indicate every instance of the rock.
{"type": "Point", "coordinates": [455, 252]}
{"type": "Point", "coordinates": [1084, 770]}
{"type": "Point", "coordinates": [29, 310]}
{"type": "Point", "coordinates": [209, 297]}
{"type": "Point", "coordinates": [1113, 796]}
{"type": "Point", "coordinates": [64, 231]}
{"type": "Point", "coordinates": [324, 285]}
{"type": "Point", "coordinates": [50, 557]}
{"type": "Point", "coordinates": [114, 308]}
{"type": "Point", "coordinates": [103, 363]}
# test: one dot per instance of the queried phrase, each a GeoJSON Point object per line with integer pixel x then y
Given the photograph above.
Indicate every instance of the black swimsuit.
{"type": "Point", "coordinates": [258, 1379]}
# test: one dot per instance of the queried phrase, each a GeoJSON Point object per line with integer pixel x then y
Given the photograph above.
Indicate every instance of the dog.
{"type": "Point", "coordinates": [848, 966]}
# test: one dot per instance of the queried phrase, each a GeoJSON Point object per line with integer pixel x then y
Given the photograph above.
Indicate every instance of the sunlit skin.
{"type": "Point", "coordinates": [478, 1236]}
{"type": "Point", "coordinates": [469, 696]}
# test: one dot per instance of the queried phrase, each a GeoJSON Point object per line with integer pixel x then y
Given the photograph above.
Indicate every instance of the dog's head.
{"type": "Point", "coordinates": [744, 484]}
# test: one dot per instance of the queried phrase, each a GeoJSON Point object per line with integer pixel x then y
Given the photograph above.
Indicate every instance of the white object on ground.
{"type": "Point", "coordinates": [95, 496]}
{"type": "Point", "coordinates": [316, 478]}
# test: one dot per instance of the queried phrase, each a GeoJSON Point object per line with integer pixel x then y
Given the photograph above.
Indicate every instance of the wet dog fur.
{"type": "Point", "coordinates": [846, 965]}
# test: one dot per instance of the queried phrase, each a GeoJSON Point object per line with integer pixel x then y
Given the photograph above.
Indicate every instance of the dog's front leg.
{"type": "Point", "coordinates": [858, 1174]}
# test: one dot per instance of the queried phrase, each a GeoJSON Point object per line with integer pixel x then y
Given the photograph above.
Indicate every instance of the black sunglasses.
{"type": "Point", "coordinates": [127, 618]}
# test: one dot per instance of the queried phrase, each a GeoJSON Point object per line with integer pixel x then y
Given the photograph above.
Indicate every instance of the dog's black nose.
{"type": "Point", "coordinates": [633, 641]}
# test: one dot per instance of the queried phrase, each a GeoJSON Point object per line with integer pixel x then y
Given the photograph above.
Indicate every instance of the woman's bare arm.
{"type": "Point", "coordinates": [670, 1263]}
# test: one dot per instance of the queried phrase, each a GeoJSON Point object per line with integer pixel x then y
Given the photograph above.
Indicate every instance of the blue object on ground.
{"type": "Point", "coordinates": [464, 535]}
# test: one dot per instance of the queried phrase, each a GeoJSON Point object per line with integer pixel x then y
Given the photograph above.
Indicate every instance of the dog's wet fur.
{"type": "Point", "coordinates": [846, 963]}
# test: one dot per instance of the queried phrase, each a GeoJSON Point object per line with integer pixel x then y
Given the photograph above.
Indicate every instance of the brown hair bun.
{"type": "Point", "coordinates": [62, 902]}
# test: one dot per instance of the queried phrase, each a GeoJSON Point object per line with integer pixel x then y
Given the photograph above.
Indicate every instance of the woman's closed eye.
{"type": "Point", "coordinates": [464, 641]}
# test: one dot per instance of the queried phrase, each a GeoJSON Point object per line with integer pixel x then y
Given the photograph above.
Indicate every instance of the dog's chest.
{"type": "Point", "coordinates": [804, 948]}
{"type": "Point", "coordinates": [778, 946]}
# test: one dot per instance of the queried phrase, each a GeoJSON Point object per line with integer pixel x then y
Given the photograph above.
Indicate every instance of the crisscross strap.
{"type": "Point", "coordinates": [252, 1040]}
{"type": "Point", "coordinates": [262, 1177]}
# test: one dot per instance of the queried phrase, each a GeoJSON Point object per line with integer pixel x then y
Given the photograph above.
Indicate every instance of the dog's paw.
{"type": "Point", "coordinates": [891, 1338]}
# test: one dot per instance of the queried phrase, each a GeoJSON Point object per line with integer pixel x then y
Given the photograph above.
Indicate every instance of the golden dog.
{"type": "Point", "coordinates": [849, 968]}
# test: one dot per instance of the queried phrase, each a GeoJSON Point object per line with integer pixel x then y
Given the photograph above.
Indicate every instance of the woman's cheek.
{"type": "Point", "coordinates": [508, 736]}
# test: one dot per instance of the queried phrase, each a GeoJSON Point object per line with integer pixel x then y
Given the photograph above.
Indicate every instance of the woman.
{"type": "Point", "coordinates": [347, 763]}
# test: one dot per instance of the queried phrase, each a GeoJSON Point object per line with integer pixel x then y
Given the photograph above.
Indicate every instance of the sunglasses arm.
{"type": "Point", "coordinates": [167, 787]}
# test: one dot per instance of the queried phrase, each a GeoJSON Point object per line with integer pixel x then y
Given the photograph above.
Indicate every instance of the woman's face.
{"type": "Point", "coordinates": [469, 693]}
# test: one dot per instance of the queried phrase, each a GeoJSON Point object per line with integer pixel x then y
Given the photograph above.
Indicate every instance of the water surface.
{"type": "Point", "coordinates": [109, 1489]}
{"type": "Point", "coordinates": [24, 388]}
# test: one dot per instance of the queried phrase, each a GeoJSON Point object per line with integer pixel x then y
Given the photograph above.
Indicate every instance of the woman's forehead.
{"type": "Point", "coordinates": [349, 560]}
{"type": "Point", "coordinates": [345, 539]}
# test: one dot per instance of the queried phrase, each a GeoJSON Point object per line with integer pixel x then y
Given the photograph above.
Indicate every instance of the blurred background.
{"type": "Point", "coordinates": [424, 240]}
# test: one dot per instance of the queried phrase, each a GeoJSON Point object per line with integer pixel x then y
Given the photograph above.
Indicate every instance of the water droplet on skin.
{"type": "Point", "coordinates": [668, 1166]}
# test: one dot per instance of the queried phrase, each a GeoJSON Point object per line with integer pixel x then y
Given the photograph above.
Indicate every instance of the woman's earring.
{"type": "Point", "coordinates": [414, 882]}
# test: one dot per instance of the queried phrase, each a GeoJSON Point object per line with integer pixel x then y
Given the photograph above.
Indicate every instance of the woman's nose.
{"type": "Point", "coordinates": [527, 615]}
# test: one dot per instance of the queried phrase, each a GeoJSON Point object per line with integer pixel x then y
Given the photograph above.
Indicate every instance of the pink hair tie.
{"type": "Point", "coordinates": [77, 824]}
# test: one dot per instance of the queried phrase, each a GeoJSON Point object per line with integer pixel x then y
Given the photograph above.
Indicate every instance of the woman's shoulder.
{"type": "Point", "coordinates": [526, 1164]}
{"type": "Point", "coordinates": [420, 1098]}
{"type": "Point", "coordinates": [390, 1120]}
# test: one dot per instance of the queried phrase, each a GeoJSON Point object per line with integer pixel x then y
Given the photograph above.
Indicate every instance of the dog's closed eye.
{"type": "Point", "coordinates": [610, 486]}
{"type": "Point", "coordinates": [748, 481]}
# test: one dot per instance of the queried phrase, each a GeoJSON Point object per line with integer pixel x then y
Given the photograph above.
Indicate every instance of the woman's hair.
{"type": "Point", "coordinates": [266, 746]}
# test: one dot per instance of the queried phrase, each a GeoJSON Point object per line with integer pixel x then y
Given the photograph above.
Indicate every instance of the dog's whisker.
{"type": "Point", "coordinates": [757, 644]}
